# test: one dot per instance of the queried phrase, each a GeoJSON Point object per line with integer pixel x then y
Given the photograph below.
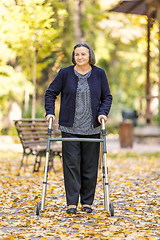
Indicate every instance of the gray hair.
{"type": "Point", "coordinates": [92, 59]}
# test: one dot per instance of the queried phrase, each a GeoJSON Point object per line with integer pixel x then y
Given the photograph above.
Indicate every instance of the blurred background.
{"type": "Point", "coordinates": [37, 38]}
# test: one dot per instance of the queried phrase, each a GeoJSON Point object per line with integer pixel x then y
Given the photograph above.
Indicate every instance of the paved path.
{"type": "Point", "coordinates": [113, 146]}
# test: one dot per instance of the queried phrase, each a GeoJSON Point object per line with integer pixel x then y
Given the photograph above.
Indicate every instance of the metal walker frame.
{"type": "Point", "coordinates": [107, 206]}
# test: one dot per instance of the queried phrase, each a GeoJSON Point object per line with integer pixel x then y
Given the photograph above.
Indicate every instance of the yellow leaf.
{"type": "Point", "coordinates": [95, 215]}
{"type": "Point", "coordinates": [8, 238]}
{"type": "Point", "coordinates": [86, 235]}
{"type": "Point", "coordinates": [23, 204]}
{"type": "Point", "coordinates": [27, 215]}
{"type": "Point", "coordinates": [132, 209]}
{"type": "Point", "coordinates": [19, 196]}
{"type": "Point", "coordinates": [24, 223]}
{"type": "Point", "coordinates": [4, 223]}
{"type": "Point", "coordinates": [75, 226]}
{"type": "Point", "coordinates": [106, 233]}
{"type": "Point", "coordinates": [14, 205]}
{"type": "Point", "coordinates": [127, 232]}
{"type": "Point", "coordinates": [129, 183]}
{"type": "Point", "coordinates": [76, 234]}
{"type": "Point", "coordinates": [148, 231]}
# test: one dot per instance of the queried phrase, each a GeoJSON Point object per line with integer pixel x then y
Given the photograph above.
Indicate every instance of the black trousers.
{"type": "Point", "coordinates": [80, 167]}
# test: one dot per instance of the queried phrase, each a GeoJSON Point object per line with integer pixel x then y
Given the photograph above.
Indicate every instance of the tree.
{"type": "Point", "coordinates": [13, 82]}
{"type": "Point", "coordinates": [34, 38]}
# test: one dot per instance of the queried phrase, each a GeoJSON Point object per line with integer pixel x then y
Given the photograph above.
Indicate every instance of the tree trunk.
{"type": "Point", "coordinates": [148, 90]}
{"type": "Point", "coordinates": [78, 14]}
{"type": "Point", "coordinates": [26, 101]}
{"type": "Point", "coordinates": [34, 86]}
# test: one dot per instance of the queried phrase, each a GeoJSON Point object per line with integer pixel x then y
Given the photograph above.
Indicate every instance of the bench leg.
{"type": "Point", "coordinates": [37, 162]}
{"type": "Point", "coordinates": [51, 163]}
{"type": "Point", "coordinates": [51, 160]}
{"type": "Point", "coordinates": [60, 155]}
{"type": "Point", "coordinates": [24, 161]}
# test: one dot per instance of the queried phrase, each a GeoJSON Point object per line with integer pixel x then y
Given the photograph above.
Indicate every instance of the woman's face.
{"type": "Point", "coordinates": [81, 56]}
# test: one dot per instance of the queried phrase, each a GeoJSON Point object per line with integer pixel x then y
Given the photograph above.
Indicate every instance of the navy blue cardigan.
{"type": "Point", "coordinates": [66, 83]}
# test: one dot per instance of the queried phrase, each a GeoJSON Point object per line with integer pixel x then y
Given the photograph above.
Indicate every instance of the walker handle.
{"type": "Point", "coordinates": [103, 123]}
{"type": "Point", "coordinates": [50, 122]}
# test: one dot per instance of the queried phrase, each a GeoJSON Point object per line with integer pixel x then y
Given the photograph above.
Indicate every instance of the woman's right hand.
{"type": "Point", "coordinates": [50, 116]}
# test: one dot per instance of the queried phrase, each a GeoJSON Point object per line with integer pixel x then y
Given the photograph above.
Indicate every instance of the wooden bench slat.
{"type": "Point", "coordinates": [32, 130]}
{"type": "Point", "coordinates": [27, 139]}
{"type": "Point", "coordinates": [33, 133]}
{"type": "Point", "coordinates": [35, 128]}
{"type": "Point", "coordinates": [31, 124]}
{"type": "Point", "coordinates": [30, 139]}
{"type": "Point", "coordinates": [31, 120]}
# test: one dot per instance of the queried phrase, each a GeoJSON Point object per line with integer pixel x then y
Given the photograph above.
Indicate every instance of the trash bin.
{"type": "Point", "coordinates": [126, 134]}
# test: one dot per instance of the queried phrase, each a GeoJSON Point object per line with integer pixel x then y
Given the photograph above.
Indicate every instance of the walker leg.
{"type": "Point", "coordinates": [105, 183]}
{"type": "Point", "coordinates": [40, 206]}
{"type": "Point", "coordinates": [111, 209]}
{"type": "Point", "coordinates": [107, 206]}
{"type": "Point", "coordinates": [45, 182]}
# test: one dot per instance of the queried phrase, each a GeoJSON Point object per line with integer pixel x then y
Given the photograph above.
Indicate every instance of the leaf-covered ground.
{"type": "Point", "coordinates": [134, 190]}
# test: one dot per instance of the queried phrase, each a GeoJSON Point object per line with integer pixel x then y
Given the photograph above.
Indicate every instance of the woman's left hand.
{"type": "Point", "coordinates": [102, 116]}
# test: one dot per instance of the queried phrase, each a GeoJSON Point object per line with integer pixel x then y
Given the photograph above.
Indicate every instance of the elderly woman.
{"type": "Point", "coordinates": [85, 99]}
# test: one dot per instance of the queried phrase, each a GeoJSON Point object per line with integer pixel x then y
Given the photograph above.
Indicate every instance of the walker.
{"type": "Point", "coordinates": [107, 206]}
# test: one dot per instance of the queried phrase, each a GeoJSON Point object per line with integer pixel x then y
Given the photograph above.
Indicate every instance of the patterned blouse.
{"type": "Point", "coordinates": [83, 112]}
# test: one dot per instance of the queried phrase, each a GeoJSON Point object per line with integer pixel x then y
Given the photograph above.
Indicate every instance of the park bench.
{"type": "Point", "coordinates": [33, 136]}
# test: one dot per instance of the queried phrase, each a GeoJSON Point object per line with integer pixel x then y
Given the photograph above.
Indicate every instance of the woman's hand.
{"type": "Point", "coordinates": [50, 116]}
{"type": "Point", "coordinates": [102, 116]}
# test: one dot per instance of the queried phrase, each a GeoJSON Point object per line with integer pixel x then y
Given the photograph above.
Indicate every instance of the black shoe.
{"type": "Point", "coordinates": [87, 209]}
{"type": "Point", "coordinates": [71, 211]}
